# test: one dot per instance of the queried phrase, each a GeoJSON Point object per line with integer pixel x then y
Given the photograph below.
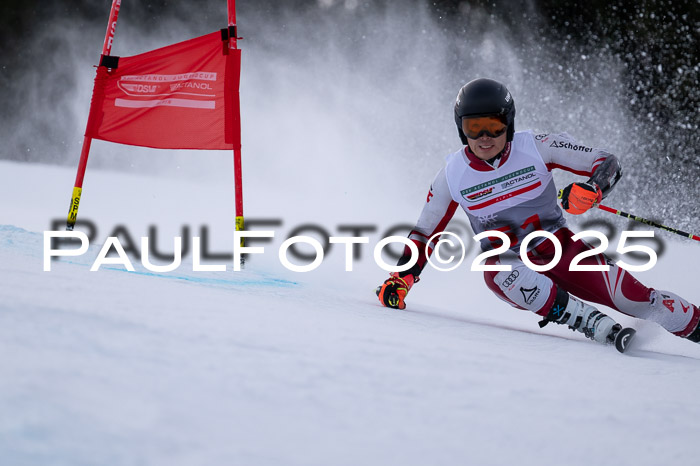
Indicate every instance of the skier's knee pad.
{"type": "Point", "coordinates": [526, 288]}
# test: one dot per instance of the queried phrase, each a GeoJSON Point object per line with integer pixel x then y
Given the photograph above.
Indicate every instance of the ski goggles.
{"type": "Point", "coordinates": [475, 127]}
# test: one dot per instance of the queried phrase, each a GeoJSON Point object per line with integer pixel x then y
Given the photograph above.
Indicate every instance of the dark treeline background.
{"type": "Point", "coordinates": [620, 74]}
{"type": "Point", "coordinates": [656, 40]}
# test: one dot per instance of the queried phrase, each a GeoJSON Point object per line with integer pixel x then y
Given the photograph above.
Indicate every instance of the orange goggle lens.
{"type": "Point", "coordinates": [490, 126]}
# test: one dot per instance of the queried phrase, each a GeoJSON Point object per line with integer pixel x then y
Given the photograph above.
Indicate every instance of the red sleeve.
{"type": "Point", "coordinates": [438, 210]}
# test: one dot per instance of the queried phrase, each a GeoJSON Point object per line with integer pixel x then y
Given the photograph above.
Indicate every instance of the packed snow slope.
{"type": "Point", "coordinates": [266, 366]}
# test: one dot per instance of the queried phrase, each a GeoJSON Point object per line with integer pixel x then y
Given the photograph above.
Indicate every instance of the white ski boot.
{"type": "Point", "coordinates": [569, 310]}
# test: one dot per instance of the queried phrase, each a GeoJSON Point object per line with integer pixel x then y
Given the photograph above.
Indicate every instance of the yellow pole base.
{"type": "Point", "coordinates": [73, 208]}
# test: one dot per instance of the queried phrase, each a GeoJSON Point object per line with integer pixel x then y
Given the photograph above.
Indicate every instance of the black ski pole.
{"type": "Point", "coordinates": [648, 222]}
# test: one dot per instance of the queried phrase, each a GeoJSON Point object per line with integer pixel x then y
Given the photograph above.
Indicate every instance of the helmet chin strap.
{"type": "Point", "coordinates": [493, 159]}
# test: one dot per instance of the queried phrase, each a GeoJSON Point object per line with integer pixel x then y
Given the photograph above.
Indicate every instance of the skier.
{"type": "Point", "coordinates": [503, 181]}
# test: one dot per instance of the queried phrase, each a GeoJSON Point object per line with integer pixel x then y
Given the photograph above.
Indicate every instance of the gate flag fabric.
{"type": "Point", "coordinates": [183, 96]}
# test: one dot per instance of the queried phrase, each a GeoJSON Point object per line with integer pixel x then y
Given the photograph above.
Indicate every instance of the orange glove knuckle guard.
{"type": "Point", "coordinates": [393, 291]}
{"type": "Point", "coordinates": [581, 197]}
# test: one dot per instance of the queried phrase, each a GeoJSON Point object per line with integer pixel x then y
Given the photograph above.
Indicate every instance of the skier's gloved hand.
{"type": "Point", "coordinates": [393, 291]}
{"type": "Point", "coordinates": [577, 198]}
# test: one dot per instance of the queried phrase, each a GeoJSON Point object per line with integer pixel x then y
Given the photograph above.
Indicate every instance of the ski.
{"type": "Point", "coordinates": [623, 339]}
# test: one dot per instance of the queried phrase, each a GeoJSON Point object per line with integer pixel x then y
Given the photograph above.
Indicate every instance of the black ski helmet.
{"type": "Point", "coordinates": [483, 97]}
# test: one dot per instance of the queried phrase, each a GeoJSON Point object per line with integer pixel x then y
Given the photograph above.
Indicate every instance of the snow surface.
{"type": "Point", "coordinates": [267, 367]}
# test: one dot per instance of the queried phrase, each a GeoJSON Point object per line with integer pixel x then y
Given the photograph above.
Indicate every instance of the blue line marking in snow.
{"type": "Point", "coordinates": [25, 241]}
{"type": "Point", "coordinates": [210, 280]}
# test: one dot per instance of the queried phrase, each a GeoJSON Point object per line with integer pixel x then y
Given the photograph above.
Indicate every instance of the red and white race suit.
{"type": "Point", "coordinates": [517, 195]}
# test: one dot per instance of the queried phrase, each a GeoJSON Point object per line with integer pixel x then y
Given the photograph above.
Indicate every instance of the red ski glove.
{"type": "Point", "coordinates": [577, 198]}
{"type": "Point", "coordinates": [393, 291]}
